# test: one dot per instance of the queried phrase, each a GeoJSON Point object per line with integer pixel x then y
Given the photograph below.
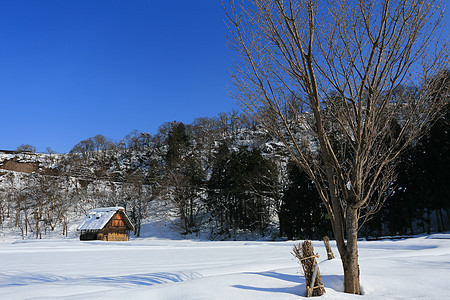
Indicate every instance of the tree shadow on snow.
{"type": "Point", "coordinates": [335, 282]}
{"type": "Point", "coordinates": [281, 276]}
{"type": "Point", "coordinates": [27, 279]}
{"type": "Point", "coordinates": [134, 280]}
{"type": "Point", "coordinates": [145, 279]}
{"type": "Point", "coordinates": [297, 290]}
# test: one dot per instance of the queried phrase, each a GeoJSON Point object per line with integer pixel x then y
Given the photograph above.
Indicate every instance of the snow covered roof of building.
{"type": "Point", "coordinates": [98, 218]}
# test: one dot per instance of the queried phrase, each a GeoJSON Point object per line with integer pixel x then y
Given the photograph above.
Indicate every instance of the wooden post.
{"type": "Point", "coordinates": [326, 241]}
{"type": "Point", "coordinates": [313, 280]}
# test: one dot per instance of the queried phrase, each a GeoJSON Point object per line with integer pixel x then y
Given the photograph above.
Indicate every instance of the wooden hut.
{"type": "Point", "coordinates": [106, 224]}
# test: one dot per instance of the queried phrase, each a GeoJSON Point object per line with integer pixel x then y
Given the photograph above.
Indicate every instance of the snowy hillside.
{"type": "Point", "coordinates": [219, 178]}
{"type": "Point", "coordinates": [416, 268]}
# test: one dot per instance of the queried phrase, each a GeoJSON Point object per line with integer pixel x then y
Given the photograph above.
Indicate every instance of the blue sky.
{"type": "Point", "coordinates": [70, 70]}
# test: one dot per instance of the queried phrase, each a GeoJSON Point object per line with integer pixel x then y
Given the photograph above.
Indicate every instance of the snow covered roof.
{"type": "Point", "coordinates": [98, 218]}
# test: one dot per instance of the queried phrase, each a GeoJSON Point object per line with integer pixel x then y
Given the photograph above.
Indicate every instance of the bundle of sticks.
{"type": "Point", "coordinates": [305, 253]}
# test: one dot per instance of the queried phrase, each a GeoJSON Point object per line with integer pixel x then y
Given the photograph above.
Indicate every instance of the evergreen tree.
{"type": "Point", "coordinates": [239, 195]}
{"type": "Point", "coordinates": [177, 142]}
{"type": "Point", "coordinates": [302, 213]}
{"type": "Point", "coordinates": [183, 177]}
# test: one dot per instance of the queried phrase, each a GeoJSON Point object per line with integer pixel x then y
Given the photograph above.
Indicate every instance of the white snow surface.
{"type": "Point", "coordinates": [98, 218]}
{"type": "Point", "coordinates": [152, 268]}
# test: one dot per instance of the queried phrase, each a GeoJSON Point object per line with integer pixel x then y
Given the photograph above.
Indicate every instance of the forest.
{"type": "Point", "coordinates": [219, 176]}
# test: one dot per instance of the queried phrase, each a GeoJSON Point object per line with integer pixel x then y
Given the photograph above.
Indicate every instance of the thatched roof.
{"type": "Point", "coordinates": [99, 217]}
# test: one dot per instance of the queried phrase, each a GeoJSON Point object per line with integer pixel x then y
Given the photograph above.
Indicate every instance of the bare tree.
{"type": "Point", "coordinates": [49, 150]}
{"type": "Point", "coordinates": [26, 148]}
{"type": "Point", "coordinates": [348, 62]}
{"type": "Point", "coordinates": [136, 193]}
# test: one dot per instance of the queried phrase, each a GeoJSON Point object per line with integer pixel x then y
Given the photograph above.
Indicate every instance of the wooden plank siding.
{"type": "Point", "coordinates": [116, 229]}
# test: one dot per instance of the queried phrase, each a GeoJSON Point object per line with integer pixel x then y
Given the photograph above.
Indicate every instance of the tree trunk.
{"type": "Point", "coordinates": [26, 225]}
{"type": "Point", "coordinates": [442, 220]}
{"type": "Point", "coordinates": [137, 228]}
{"type": "Point", "coordinates": [438, 221]}
{"type": "Point", "coordinates": [191, 213]}
{"type": "Point", "coordinates": [448, 216]}
{"type": "Point", "coordinates": [411, 226]}
{"type": "Point", "coordinates": [422, 213]}
{"type": "Point", "coordinates": [281, 225]}
{"type": "Point", "coordinates": [350, 259]}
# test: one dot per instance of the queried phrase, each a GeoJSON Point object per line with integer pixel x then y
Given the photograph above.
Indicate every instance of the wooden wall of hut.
{"type": "Point", "coordinates": [117, 237]}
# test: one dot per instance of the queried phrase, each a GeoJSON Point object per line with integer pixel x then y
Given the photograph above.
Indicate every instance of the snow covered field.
{"type": "Point", "coordinates": [416, 268]}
